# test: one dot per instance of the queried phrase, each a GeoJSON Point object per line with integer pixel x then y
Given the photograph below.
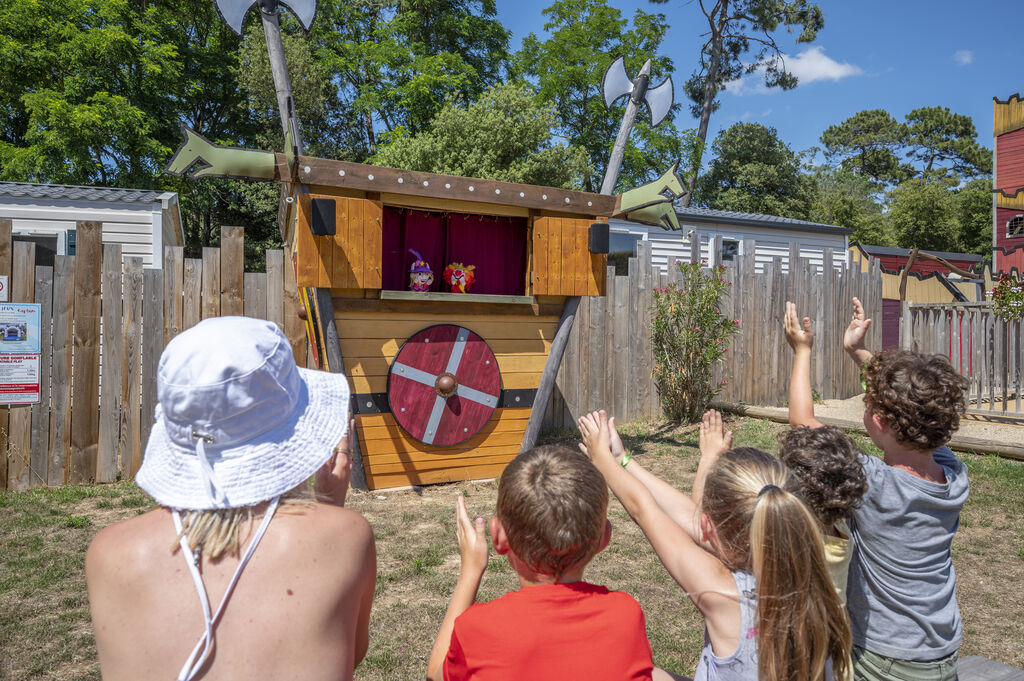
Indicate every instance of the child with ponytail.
{"type": "Point", "coordinates": [745, 549]}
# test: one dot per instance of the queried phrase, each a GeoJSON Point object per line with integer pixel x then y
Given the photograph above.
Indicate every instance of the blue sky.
{"type": "Point", "coordinates": [896, 55]}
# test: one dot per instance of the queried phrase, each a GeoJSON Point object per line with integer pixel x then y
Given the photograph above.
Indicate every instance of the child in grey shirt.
{"type": "Point", "coordinates": [901, 592]}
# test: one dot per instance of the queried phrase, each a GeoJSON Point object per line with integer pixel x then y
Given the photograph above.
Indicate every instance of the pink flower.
{"type": "Point", "coordinates": [697, 329]}
{"type": "Point", "coordinates": [717, 311]}
{"type": "Point", "coordinates": [725, 382]}
{"type": "Point", "coordinates": [736, 322]}
{"type": "Point", "coordinates": [718, 340]}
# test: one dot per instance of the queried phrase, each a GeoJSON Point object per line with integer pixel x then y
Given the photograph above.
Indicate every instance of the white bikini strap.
{"type": "Point", "coordinates": [192, 665]}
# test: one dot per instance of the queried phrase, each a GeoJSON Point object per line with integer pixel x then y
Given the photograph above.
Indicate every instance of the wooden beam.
{"type": "Point", "coordinates": [360, 176]}
{"type": "Point", "coordinates": [547, 378]}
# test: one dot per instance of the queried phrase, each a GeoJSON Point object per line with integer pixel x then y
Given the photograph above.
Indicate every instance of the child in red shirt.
{"type": "Point", "coordinates": [551, 520]}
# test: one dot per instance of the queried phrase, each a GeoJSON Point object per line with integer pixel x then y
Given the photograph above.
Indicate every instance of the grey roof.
{"type": "Point", "coordinates": [68, 192]}
{"type": "Point", "coordinates": [886, 250]}
{"type": "Point", "coordinates": [710, 216]}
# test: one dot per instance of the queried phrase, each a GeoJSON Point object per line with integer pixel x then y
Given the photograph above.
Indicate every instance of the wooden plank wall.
{"type": "Point", "coordinates": [104, 321]}
{"type": "Point", "coordinates": [609, 361]}
{"type": "Point", "coordinates": [985, 349]}
{"type": "Point", "coordinates": [351, 258]}
{"type": "Point", "coordinates": [562, 262]}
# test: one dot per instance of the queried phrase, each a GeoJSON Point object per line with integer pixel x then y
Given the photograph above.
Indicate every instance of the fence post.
{"type": "Point", "coordinates": [86, 354]}
{"type": "Point", "coordinates": [19, 434]}
{"type": "Point", "coordinates": [110, 366]}
{"type": "Point", "coordinates": [40, 447]}
{"type": "Point", "coordinates": [5, 270]}
{"type": "Point", "coordinates": [905, 326]}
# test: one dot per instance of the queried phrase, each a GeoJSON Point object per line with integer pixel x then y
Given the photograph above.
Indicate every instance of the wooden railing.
{"type": "Point", "coordinates": [981, 346]}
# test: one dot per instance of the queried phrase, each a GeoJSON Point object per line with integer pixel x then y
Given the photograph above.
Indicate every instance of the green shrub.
{"type": "Point", "coordinates": [690, 335]}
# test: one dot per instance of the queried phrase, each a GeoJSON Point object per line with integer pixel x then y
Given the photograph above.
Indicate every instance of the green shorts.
{"type": "Point", "coordinates": [869, 666]}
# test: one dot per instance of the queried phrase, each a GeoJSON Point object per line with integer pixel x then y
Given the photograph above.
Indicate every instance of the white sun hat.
{"type": "Point", "coordinates": [238, 423]}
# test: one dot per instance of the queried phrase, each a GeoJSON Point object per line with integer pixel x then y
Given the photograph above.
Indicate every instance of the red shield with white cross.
{"type": "Point", "coordinates": [444, 385]}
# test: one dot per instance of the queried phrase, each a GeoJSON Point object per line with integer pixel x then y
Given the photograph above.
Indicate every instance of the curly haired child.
{"type": "Point", "coordinates": [902, 585]}
{"type": "Point", "coordinates": [750, 557]}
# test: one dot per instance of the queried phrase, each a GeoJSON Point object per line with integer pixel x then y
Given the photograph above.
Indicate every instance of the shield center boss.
{"type": "Point", "coordinates": [444, 385]}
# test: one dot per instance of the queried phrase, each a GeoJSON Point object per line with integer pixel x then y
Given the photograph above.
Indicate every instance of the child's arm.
{"type": "Point", "coordinates": [682, 509]}
{"type": "Point", "coordinates": [801, 398]}
{"type": "Point", "coordinates": [853, 339]}
{"type": "Point", "coordinates": [473, 547]}
{"type": "Point", "coordinates": [701, 574]}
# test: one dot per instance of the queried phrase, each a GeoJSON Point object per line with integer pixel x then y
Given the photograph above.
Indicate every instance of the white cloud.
{"type": "Point", "coordinates": [963, 57]}
{"type": "Point", "coordinates": [808, 66]}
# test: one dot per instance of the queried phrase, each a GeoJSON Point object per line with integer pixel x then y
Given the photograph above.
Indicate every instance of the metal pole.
{"type": "Point", "coordinates": [282, 82]}
{"type": "Point", "coordinates": [611, 174]}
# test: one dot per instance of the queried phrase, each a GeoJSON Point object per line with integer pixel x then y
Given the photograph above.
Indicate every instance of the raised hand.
{"type": "Point", "coordinates": [853, 339]}
{"type": "Point", "coordinates": [798, 332]}
{"type": "Point", "coordinates": [596, 436]}
{"type": "Point", "coordinates": [714, 440]}
{"type": "Point", "coordinates": [472, 541]}
{"type": "Point", "coordinates": [333, 478]}
{"type": "Point", "coordinates": [615, 441]}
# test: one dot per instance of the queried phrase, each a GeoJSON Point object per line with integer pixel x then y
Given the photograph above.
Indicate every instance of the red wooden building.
{"type": "Point", "coordinates": [1008, 181]}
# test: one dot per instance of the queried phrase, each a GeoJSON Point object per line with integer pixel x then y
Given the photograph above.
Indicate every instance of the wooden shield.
{"type": "Point", "coordinates": [444, 385]}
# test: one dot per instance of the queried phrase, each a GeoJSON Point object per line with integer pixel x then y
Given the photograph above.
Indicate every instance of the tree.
{"type": "Point", "coordinates": [734, 26]}
{"type": "Point", "coordinates": [397, 63]}
{"type": "Point", "coordinates": [924, 213]}
{"type": "Point", "coordinates": [936, 136]}
{"type": "Point", "coordinates": [754, 171]}
{"type": "Point", "coordinates": [867, 144]}
{"type": "Point", "coordinates": [975, 203]}
{"type": "Point", "coordinates": [584, 36]}
{"type": "Point", "coordinates": [841, 197]}
{"type": "Point", "coordinates": [505, 135]}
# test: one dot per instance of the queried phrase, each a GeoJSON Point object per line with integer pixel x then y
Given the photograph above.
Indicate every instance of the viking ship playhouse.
{"type": "Point", "coordinates": [444, 381]}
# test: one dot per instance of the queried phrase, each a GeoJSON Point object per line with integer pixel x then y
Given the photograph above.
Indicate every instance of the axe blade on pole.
{"type": "Point", "coordinates": [659, 101]}
{"type": "Point", "coordinates": [616, 83]}
{"type": "Point", "coordinates": [233, 11]}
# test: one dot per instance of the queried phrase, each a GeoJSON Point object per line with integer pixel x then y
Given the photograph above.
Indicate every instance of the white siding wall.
{"type": "Point", "coordinates": [667, 247]}
{"type": "Point", "coordinates": [128, 224]}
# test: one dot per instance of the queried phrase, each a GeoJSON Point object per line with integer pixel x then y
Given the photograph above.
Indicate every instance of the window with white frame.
{"type": "Point", "coordinates": [1015, 226]}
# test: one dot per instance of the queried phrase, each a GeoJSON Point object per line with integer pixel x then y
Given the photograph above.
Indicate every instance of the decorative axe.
{"type": "Point", "coordinates": [233, 12]}
{"type": "Point", "coordinates": [617, 84]}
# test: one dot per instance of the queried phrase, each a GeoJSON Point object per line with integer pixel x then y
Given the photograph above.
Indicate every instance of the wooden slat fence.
{"type": "Point", "coordinates": [985, 349]}
{"type": "Point", "coordinates": [609, 361]}
{"type": "Point", "coordinates": [105, 320]}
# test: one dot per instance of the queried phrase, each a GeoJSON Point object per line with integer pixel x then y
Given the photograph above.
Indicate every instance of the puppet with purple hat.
{"type": "Point", "coordinates": [420, 274]}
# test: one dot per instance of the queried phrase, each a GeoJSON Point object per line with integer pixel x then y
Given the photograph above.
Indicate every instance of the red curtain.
{"type": "Point", "coordinates": [496, 246]}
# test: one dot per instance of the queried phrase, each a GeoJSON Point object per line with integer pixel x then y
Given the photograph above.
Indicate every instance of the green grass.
{"type": "Point", "coordinates": [44, 620]}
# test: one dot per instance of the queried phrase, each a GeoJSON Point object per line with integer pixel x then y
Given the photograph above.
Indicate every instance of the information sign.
{"type": "Point", "coordinates": [19, 328]}
{"type": "Point", "coordinates": [19, 379]}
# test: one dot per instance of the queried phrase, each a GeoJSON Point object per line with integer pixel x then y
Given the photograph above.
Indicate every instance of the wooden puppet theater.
{"type": "Point", "coordinates": [445, 377]}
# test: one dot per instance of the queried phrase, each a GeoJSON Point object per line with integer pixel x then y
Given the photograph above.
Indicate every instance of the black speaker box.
{"type": "Point", "coordinates": [598, 241]}
{"type": "Point", "coordinates": [323, 223]}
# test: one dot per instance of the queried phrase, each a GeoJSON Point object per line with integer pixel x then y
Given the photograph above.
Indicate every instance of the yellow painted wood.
{"type": "Point", "coordinates": [1007, 116]}
{"type": "Point", "coordinates": [1015, 202]}
{"type": "Point", "coordinates": [458, 473]}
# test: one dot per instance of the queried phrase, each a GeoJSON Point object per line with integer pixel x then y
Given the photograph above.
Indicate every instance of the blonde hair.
{"type": "Point", "coordinates": [552, 503]}
{"type": "Point", "coordinates": [763, 527]}
{"type": "Point", "coordinates": [215, 532]}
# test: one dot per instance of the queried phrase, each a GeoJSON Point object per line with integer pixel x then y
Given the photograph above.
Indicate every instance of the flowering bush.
{"type": "Point", "coordinates": [1008, 297]}
{"type": "Point", "coordinates": [689, 335]}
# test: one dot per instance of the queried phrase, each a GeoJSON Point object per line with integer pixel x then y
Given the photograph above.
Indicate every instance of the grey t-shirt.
{"type": "Point", "coordinates": [902, 587]}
